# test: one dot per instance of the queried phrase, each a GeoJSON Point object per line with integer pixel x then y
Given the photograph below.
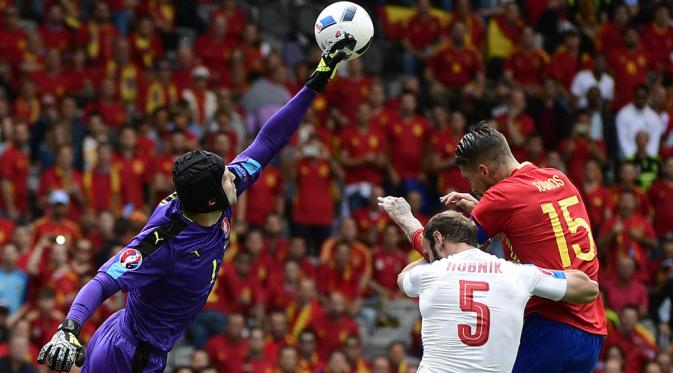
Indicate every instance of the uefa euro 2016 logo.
{"type": "Point", "coordinates": [131, 259]}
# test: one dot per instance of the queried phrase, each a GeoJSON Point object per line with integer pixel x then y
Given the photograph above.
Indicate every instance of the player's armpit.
{"type": "Point", "coordinates": [580, 288]}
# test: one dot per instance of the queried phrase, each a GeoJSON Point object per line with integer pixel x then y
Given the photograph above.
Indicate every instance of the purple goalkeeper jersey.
{"type": "Point", "coordinates": [170, 267]}
{"type": "Point", "coordinates": [169, 286]}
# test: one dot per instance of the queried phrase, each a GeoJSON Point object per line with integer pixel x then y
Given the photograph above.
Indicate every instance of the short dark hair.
{"type": "Point", "coordinates": [453, 226]}
{"type": "Point", "coordinates": [482, 143]}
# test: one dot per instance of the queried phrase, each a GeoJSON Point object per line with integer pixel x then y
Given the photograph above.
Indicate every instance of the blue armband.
{"type": "Point", "coordinates": [481, 233]}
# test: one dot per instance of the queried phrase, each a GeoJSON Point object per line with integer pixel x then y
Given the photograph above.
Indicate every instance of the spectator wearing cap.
{"type": "Point", "coordinates": [201, 100]}
{"type": "Point", "coordinates": [624, 289]}
{"type": "Point", "coordinates": [527, 66]}
{"type": "Point", "coordinates": [13, 281]}
{"type": "Point", "coordinates": [569, 59]}
{"type": "Point", "coordinates": [14, 169]}
{"type": "Point", "coordinates": [56, 222]}
{"type": "Point", "coordinates": [660, 196]}
{"type": "Point", "coordinates": [19, 359]}
{"type": "Point", "coordinates": [598, 199]}
{"type": "Point", "coordinates": [586, 79]}
{"type": "Point", "coordinates": [628, 233]}
{"type": "Point", "coordinates": [635, 117]}
{"type": "Point", "coordinates": [630, 66]}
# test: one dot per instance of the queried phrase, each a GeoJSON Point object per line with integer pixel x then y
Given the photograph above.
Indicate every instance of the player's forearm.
{"type": "Point", "coordinates": [409, 267]}
{"type": "Point", "coordinates": [278, 130]}
{"type": "Point", "coordinates": [92, 295]}
{"type": "Point", "coordinates": [409, 225]}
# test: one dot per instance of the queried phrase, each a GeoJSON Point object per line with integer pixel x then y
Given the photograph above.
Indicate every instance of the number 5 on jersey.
{"type": "Point", "coordinates": [467, 304]}
{"type": "Point", "coordinates": [573, 225]}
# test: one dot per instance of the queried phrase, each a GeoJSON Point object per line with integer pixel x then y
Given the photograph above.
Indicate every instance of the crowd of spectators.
{"type": "Point", "coordinates": [98, 98]}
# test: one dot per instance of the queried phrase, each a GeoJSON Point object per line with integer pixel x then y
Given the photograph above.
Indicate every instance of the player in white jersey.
{"type": "Point", "coordinates": [472, 303]}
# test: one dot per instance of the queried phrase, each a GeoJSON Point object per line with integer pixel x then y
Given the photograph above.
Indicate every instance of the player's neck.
{"type": "Point", "coordinates": [508, 169]}
{"type": "Point", "coordinates": [451, 248]}
{"type": "Point", "coordinates": [205, 219]}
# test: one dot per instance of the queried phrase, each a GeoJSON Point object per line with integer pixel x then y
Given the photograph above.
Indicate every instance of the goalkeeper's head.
{"type": "Point", "coordinates": [203, 182]}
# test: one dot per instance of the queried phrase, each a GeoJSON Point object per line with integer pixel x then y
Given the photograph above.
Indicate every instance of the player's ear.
{"type": "Point", "coordinates": [439, 240]}
{"type": "Point", "coordinates": [483, 169]}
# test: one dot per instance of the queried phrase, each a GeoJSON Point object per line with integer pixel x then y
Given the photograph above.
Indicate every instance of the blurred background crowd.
{"type": "Point", "coordinates": [98, 98]}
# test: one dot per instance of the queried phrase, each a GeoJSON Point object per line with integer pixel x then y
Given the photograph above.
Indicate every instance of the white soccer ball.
{"type": "Point", "coordinates": [340, 17]}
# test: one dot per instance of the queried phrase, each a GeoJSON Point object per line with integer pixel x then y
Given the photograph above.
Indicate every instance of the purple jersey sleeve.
{"type": "Point", "coordinates": [92, 295]}
{"type": "Point", "coordinates": [275, 133]}
{"type": "Point", "coordinates": [132, 270]}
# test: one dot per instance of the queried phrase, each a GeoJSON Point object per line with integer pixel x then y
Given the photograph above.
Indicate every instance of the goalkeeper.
{"type": "Point", "coordinates": [170, 267]}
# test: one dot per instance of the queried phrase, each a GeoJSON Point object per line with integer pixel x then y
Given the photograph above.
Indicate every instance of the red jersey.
{"type": "Point", "coordinates": [609, 38]}
{"type": "Point", "coordinates": [642, 199]}
{"type": "Point", "coordinates": [314, 203]}
{"type": "Point", "coordinates": [579, 156]}
{"type": "Point", "coordinates": [528, 67]}
{"type": "Point", "coordinates": [564, 65]}
{"type": "Point", "coordinates": [332, 333]}
{"type": "Point", "coordinates": [406, 144]}
{"type": "Point", "coordinates": [618, 296]}
{"type": "Point", "coordinates": [227, 355]}
{"type": "Point", "coordinates": [387, 265]}
{"type": "Point", "coordinates": [630, 69]}
{"type": "Point", "coordinates": [14, 165]}
{"type": "Point", "coordinates": [43, 327]}
{"type": "Point", "coordinates": [357, 144]}
{"type": "Point", "coordinates": [370, 223]}
{"type": "Point", "coordinates": [456, 67]}
{"type": "Point", "coordinates": [146, 50]}
{"type": "Point", "coordinates": [46, 227]}
{"type": "Point", "coordinates": [524, 124]}
{"type": "Point", "coordinates": [54, 178]}
{"type": "Point", "coordinates": [598, 201]}
{"type": "Point", "coordinates": [473, 25]}
{"type": "Point", "coordinates": [263, 196]}
{"type": "Point", "coordinates": [135, 172]}
{"type": "Point", "coordinates": [637, 347]}
{"type": "Point", "coordinates": [213, 52]}
{"type": "Point", "coordinates": [361, 258]}
{"type": "Point", "coordinates": [625, 245]}
{"type": "Point", "coordinates": [347, 93]}
{"type": "Point", "coordinates": [6, 230]}
{"type": "Point", "coordinates": [12, 45]}
{"type": "Point", "coordinates": [239, 293]}
{"type": "Point", "coordinates": [98, 40]}
{"type": "Point", "coordinates": [102, 189]}
{"type": "Point", "coordinates": [444, 143]}
{"type": "Point", "coordinates": [263, 365]}
{"type": "Point", "coordinates": [113, 112]}
{"type": "Point", "coordinates": [423, 32]}
{"type": "Point", "coordinates": [660, 196]}
{"type": "Point", "coordinates": [57, 37]}
{"type": "Point", "coordinates": [659, 43]}
{"type": "Point", "coordinates": [56, 84]}
{"type": "Point", "coordinates": [345, 281]}
{"type": "Point", "coordinates": [543, 221]}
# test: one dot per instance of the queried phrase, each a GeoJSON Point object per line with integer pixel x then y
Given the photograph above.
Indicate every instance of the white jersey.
{"type": "Point", "coordinates": [472, 304]}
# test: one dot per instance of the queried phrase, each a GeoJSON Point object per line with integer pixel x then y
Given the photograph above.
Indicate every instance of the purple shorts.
{"type": "Point", "coordinates": [112, 347]}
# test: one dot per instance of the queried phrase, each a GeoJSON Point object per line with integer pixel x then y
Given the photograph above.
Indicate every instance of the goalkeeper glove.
{"type": "Point", "coordinates": [64, 348]}
{"type": "Point", "coordinates": [329, 62]}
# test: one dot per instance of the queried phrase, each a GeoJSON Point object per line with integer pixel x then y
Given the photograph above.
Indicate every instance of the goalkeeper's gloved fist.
{"type": "Point", "coordinates": [329, 62]}
{"type": "Point", "coordinates": [64, 348]}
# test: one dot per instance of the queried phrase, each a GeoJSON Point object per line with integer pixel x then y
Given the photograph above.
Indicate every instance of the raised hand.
{"type": "Point", "coordinates": [463, 202]}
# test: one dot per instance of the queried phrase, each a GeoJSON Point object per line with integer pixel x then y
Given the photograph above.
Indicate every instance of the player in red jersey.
{"type": "Point", "coordinates": [543, 221]}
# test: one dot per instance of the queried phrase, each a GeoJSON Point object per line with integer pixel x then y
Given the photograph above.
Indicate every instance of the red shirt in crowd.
{"type": "Point", "coordinates": [524, 124]}
{"type": "Point", "coordinates": [239, 294]}
{"type": "Point", "coordinates": [658, 43]}
{"type": "Point", "coordinates": [313, 203]}
{"type": "Point", "coordinates": [334, 280]}
{"type": "Point", "coordinates": [565, 65]}
{"type": "Point", "coordinates": [473, 25]}
{"type": "Point", "coordinates": [643, 202]}
{"type": "Point", "coordinates": [12, 44]}
{"type": "Point", "coordinates": [48, 227]}
{"type": "Point", "coordinates": [423, 32]}
{"type": "Point", "coordinates": [135, 173]}
{"type": "Point", "coordinates": [43, 327]}
{"type": "Point", "coordinates": [618, 296]}
{"type": "Point", "coordinates": [625, 245]}
{"type": "Point", "coordinates": [14, 168]}
{"type": "Point", "coordinates": [263, 196]}
{"type": "Point", "coordinates": [332, 333]}
{"type": "Point", "coordinates": [56, 37]}
{"type": "Point", "coordinates": [370, 223]}
{"type": "Point", "coordinates": [660, 196]}
{"type": "Point", "coordinates": [636, 349]}
{"type": "Point", "coordinates": [263, 365]}
{"type": "Point", "coordinates": [630, 69]}
{"type": "Point", "coordinates": [528, 67]}
{"type": "Point", "coordinates": [444, 143]}
{"type": "Point", "coordinates": [387, 265]}
{"type": "Point", "coordinates": [54, 178]}
{"type": "Point", "coordinates": [406, 141]}
{"type": "Point", "coordinates": [456, 67]}
{"type": "Point", "coordinates": [598, 201]}
{"type": "Point", "coordinates": [146, 50]}
{"type": "Point", "coordinates": [227, 355]}
{"type": "Point", "coordinates": [579, 156]}
{"type": "Point", "coordinates": [358, 143]}
{"type": "Point", "coordinates": [113, 112]}
{"type": "Point", "coordinates": [56, 84]}
{"type": "Point", "coordinates": [214, 53]}
{"type": "Point", "coordinates": [98, 40]}
{"type": "Point", "coordinates": [346, 93]}
{"type": "Point", "coordinates": [609, 38]}
{"type": "Point", "coordinates": [101, 188]}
